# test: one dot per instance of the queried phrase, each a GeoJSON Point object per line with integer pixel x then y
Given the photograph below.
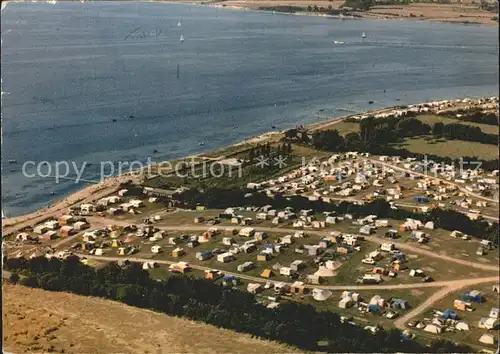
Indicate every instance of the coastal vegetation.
{"type": "Point", "coordinates": [296, 324]}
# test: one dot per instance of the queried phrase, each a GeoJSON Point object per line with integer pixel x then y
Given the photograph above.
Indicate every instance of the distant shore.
{"type": "Point", "coordinates": [467, 13]}
{"type": "Point", "coordinates": [458, 13]}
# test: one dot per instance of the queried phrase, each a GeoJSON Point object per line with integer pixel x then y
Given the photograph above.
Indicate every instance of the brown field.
{"type": "Point", "coordinates": [465, 11]}
{"type": "Point", "coordinates": [35, 320]}
{"type": "Point", "coordinates": [435, 12]}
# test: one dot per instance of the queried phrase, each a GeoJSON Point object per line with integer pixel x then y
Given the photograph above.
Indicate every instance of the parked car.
{"type": "Point", "coordinates": [428, 279]}
{"type": "Point", "coordinates": [368, 261]}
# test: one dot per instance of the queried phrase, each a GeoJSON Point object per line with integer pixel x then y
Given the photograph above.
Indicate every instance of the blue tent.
{"type": "Point", "coordinates": [373, 308]}
{"type": "Point", "coordinates": [449, 314]}
{"type": "Point", "coordinates": [404, 337]}
{"type": "Point", "coordinates": [421, 199]}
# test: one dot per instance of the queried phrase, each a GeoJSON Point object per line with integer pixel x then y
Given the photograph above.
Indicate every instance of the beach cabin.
{"type": "Point", "coordinates": [488, 323]}
{"type": "Point", "coordinates": [40, 229]}
{"type": "Point", "coordinates": [66, 231]}
{"type": "Point", "coordinates": [178, 252]}
{"type": "Point", "coordinates": [266, 273]}
{"type": "Point", "coordinates": [247, 232]}
{"type": "Point", "coordinates": [263, 257]}
{"type": "Point", "coordinates": [155, 249]}
{"type": "Point", "coordinates": [81, 225]}
{"type": "Point", "coordinates": [203, 256]}
{"type": "Point", "coordinates": [225, 257]}
{"type": "Point", "coordinates": [494, 313]}
{"type": "Point", "coordinates": [245, 266]}
{"type": "Point", "coordinates": [461, 305]}
{"type": "Point", "coordinates": [287, 271]}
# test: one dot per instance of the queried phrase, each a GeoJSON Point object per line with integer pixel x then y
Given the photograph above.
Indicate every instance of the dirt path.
{"type": "Point", "coordinates": [450, 288]}
{"type": "Point", "coordinates": [388, 165]}
{"type": "Point", "coordinates": [448, 283]}
{"type": "Point", "coordinates": [403, 246]}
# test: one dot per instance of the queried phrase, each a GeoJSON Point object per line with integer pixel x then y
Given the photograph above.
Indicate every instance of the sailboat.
{"type": "Point", "coordinates": [179, 24]}
{"type": "Point", "coordinates": [363, 35]}
{"type": "Point", "coordinates": [182, 38]}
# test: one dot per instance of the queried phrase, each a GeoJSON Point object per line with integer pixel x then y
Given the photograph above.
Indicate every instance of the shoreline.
{"type": "Point", "coordinates": [111, 184]}
{"type": "Point", "coordinates": [461, 19]}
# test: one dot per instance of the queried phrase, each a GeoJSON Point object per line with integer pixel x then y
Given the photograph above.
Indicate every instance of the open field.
{"type": "Point", "coordinates": [451, 148]}
{"type": "Point", "coordinates": [42, 321]}
{"type": "Point", "coordinates": [465, 13]}
{"type": "Point", "coordinates": [432, 119]}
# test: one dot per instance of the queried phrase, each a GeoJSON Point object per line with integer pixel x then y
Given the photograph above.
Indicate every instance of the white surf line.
{"type": "Point", "coordinates": [74, 179]}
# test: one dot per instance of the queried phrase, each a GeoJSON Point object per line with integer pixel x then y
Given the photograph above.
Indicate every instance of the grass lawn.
{"type": "Point", "coordinates": [345, 128]}
{"type": "Point", "coordinates": [451, 148]}
{"type": "Point", "coordinates": [432, 119]}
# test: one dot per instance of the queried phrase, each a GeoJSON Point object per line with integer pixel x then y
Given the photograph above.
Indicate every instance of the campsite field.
{"type": "Point", "coordinates": [42, 321]}
{"type": "Point", "coordinates": [472, 317]}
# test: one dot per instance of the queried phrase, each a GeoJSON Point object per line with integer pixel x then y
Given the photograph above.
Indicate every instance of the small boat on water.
{"type": "Point", "coordinates": [155, 151]}
{"type": "Point", "coordinates": [179, 24]}
{"type": "Point", "coordinates": [201, 144]}
{"type": "Point", "coordinates": [338, 42]}
{"type": "Point", "coordinates": [363, 35]}
{"type": "Point", "coordinates": [12, 161]}
{"type": "Point", "coordinates": [182, 38]}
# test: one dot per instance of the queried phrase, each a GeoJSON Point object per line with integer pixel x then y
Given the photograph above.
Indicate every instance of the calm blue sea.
{"type": "Point", "coordinates": [70, 69]}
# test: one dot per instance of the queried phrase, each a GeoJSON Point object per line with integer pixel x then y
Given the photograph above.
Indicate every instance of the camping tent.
{"type": "Point", "coordinates": [325, 272]}
{"type": "Point", "coordinates": [462, 326]}
{"type": "Point", "coordinates": [432, 328]}
{"type": "Point", "coordinates": [487, 339]}
{"type": "Point", "coordinates": [321, 294]}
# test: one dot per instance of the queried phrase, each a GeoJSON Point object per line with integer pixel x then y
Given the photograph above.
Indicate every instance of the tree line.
{"type": "Point", "coordinates": [457, 131]}
{"type": "Point", "coordinates": [296, 324]}
{"type": "Point", "coordinates": [476, 116]}
{"type": "Point", "coordinates": [220, 198]}
{"type": "Point", "coordinates": [378, 136]}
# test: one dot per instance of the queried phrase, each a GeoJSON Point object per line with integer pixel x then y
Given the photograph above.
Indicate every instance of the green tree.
{"type": "Point", "coordinates": [251, 155]}
{"type": "Point", "coordinates": [437, 129]}
{"type": "Point", "coordinates": [14, 278]}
